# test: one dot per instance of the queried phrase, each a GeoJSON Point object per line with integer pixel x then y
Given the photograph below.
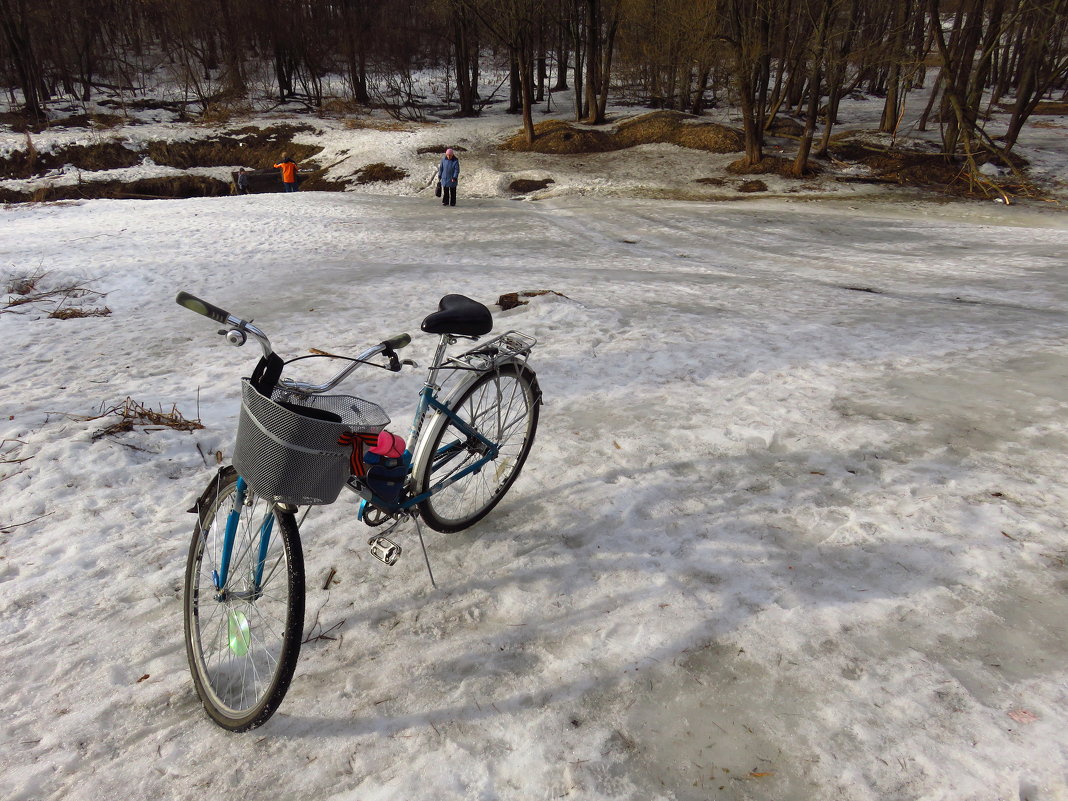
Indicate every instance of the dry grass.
{"type": "Point", "coordinates": [72, 314]}
{"type": "Point", "coordinates": [24, 283]}
{"type": "Point", "coordinates": [382, 125]}
{"type": "Point", "coordinates": [561, 138]}
{"type": "Point", "coordinates": [928, 170]}
{"type": "Point", "coordinates": [1051, 109]}
{"type": "Point", "coordinates": [24, 290]}
{"type": "Point", "coordinates": [676, 128]}
{"type": "Point", "coordinates": [131, 413]}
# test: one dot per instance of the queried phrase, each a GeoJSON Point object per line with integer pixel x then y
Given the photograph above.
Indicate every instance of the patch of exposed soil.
{"type": "Point", "coordinates": [256, 148]}
{"type": "Point", "coordinates": [316, 183]}
{"type": "Point", "coordinates": [524, 186]}
{"type": "Point", "coordinates": [658, 127]}
{"type": "Point", "coordinates": [769, 165]}
{"type": "Point", "coordinates": [93, 121]}
{"type": "Point", "coordinates": [104, 156]}
{"type": "Point", "coordinates": [1052, 109]}
{"type": "Point", "coordinates": [439, 149]}
{"type": "Point", "coordinates": [908, 167]}
{"type": "Point", "coordinates": [784, 126]}
{"type": "Point", "coordinates": [512, 300]}
{"type": "Point", "coordinates": [379, 172]}
{"type": "Point", "coordinates": [181, 186]}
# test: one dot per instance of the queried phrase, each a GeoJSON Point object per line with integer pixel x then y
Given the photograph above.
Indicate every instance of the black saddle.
{"type": "Point", "coordinates": [459, 315]}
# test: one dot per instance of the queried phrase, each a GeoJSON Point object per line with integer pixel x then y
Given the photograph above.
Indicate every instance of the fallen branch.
{"type": "Point", "coordinates": [8, 528]}
{"type": "Point", "coordinates": [132, 413]}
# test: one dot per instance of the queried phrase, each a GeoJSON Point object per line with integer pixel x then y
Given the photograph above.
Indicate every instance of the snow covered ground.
{"type": "Point", "coordinates": [792, 528]}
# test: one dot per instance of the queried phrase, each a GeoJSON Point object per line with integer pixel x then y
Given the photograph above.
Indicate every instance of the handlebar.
{"type": "Point", "coordinates": [399, 341]}
{"type": "Point", "coordinates": [238, 329]}
{"type": "Point", "coordinates": [193, 303]}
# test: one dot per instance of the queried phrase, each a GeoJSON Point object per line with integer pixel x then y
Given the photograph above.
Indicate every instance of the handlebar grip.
{"type": "Point", "coordinates": [194, 303]}
{"type": "Point", "coordinates": [399, 341]}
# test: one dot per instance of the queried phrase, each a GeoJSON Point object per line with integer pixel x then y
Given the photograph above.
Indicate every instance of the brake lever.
{"type": "Point", "coordinates": [394, 360]}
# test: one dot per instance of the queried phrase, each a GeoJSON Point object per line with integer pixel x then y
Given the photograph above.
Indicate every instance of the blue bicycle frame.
{"type": "Point", "coordinates": [233, 518]}
{"type": "Point", "coordinates": [427, 402]}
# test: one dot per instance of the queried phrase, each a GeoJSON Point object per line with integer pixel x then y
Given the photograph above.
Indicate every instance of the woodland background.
{"type": "Point", "coordinates": [771, 59]}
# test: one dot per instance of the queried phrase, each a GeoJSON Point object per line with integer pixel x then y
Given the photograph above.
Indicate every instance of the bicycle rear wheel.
{"type": "Point", "coordinates": [503, 407]}
{"type": "Point", "coordinates": [243, 638]}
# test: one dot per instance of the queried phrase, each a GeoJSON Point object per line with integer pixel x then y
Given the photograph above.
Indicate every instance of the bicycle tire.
{"type": "Point", "coordinates": [242, 643]}
{"type": "Point", "coordinates": [511, 390]}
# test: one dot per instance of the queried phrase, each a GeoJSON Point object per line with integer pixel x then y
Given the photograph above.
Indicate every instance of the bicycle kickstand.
{"type": "Point", "coordinates": [419, 531]}
{"type": "Point", "coordinates": [388, 552]}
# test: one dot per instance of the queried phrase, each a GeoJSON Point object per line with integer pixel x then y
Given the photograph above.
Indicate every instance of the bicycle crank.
{"type": "Point", "coordinates": [384, 550]}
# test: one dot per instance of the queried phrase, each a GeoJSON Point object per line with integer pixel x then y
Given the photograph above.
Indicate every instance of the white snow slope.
{"type": "Point", "coordinates": [792, 528]}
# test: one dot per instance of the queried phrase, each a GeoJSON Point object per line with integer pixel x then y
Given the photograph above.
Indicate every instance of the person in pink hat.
{"type": "Point", "coordinates": [448, 175]}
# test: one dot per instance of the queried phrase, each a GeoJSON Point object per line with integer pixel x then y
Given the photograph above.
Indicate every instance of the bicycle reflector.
{"type": "Point", "coordinates": [238, 633]}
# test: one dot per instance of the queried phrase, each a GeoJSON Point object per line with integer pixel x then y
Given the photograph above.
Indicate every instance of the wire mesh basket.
{"type": "Point", "coordinates": [287, 445]}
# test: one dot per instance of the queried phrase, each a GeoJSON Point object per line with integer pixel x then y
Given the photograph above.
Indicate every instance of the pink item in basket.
{"type": "Point", "coordinates": [389, 445]}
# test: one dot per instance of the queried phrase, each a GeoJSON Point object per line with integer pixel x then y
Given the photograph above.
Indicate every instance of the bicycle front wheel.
{"type": "Point", "coordinates": [502, 406]}
{"type": "Point", "coordinates": [243, 619]}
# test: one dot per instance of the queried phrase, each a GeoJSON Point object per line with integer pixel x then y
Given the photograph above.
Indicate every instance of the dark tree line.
{"type": "Point", "coordinates": [767, 58]}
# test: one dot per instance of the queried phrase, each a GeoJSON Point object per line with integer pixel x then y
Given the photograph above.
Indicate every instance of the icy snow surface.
{"type": "Point", "coordinates": [792, 527]}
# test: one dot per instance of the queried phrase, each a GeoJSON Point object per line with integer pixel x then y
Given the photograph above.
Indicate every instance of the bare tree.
{"type": "Point", "coordinates": [515, 25]}
{"type": "Point", "coordinates": [746, 31]}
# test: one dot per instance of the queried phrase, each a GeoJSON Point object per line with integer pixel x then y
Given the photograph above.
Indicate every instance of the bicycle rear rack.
{"type": "Point", "coordinates": [508, 346]}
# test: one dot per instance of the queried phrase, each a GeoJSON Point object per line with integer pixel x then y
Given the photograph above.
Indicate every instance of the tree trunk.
{"type": "Point", "coordinates": [606, 66]}
{"type": "Point", "coordinates": [464, 47]}
{"type": "Point", "coordinates": [593, 59]}
{"type": "Point", "coordinates": [16, 32]}
{"type": "Point", "coordinates": [815, 82]}
{"type": "Point", "coordinates": [892, 106]}
{"type": "Point", "coordinates": [514, 89]}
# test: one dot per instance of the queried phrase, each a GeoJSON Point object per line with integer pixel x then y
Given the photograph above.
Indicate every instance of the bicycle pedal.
{"type": "Point", "coordinates": [385, 551]}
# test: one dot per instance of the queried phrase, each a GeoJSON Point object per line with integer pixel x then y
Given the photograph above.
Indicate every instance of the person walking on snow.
{"type": "Point", "coordinates": [289, 173]}
{"type": "Point", "coordinates": [449, 174]}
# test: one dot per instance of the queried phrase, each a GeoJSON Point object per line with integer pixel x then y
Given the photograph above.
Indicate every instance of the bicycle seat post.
{"type": "Point", "coordinates": [430, 385]}
{"type": "Point", "coordinates": [439, 358]}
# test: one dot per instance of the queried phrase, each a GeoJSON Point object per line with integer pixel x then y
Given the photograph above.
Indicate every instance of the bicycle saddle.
{"type": "Point", "coordinates": [458, 314]}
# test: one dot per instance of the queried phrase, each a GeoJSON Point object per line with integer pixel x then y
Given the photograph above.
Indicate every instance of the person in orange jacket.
{"type": "Point", "coordinates": [289, 173]}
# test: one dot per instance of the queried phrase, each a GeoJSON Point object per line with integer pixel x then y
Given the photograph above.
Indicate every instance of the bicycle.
{"type": "Point", "coordinates": [298, 446]}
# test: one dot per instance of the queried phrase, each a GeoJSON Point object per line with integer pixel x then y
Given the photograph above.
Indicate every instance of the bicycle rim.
{"type": "Point", "coordinates": [243, 638]}
{"type": "Point", "coordinates": [503, 407]}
